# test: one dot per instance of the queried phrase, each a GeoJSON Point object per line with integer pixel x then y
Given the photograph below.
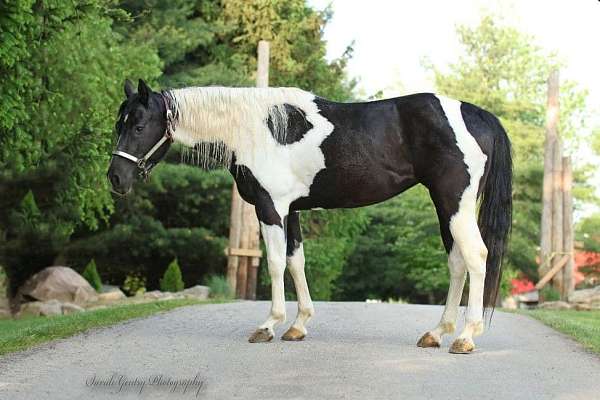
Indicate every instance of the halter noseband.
{"type": "Point", "coordinates": [141, 162]}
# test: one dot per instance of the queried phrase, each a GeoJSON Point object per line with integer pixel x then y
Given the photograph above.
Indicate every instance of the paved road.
{"type": "Point", "coordinates": [353, 351]}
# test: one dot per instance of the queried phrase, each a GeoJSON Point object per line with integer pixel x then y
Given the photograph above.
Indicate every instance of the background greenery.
{"type": "Point", "coordinates": [63, 65]}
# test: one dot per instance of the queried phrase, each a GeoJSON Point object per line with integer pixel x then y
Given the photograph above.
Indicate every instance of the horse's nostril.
{"type": "Point", "coordinates": [115, 180]}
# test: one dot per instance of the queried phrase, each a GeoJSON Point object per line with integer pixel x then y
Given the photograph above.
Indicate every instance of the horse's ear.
{"type": "Point", "coordinates": [144, 92]}
{"type": "Point", "coordinates": [129, 90]}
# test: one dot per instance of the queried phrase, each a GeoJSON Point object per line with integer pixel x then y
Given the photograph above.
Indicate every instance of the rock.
{"type": "Point", "coordinates": [114, 295]}
{"type": "Point", "coordinates": [41, 308]}
{"type": "Point", "coordinates": [70, 308]}
{"type": "Point", "coordinates": [586, 296]}
{"type": "Point", "coordinates": [98, 307]}
{"type": "Point", "coordinates": [555, 305]}
{"type": "Point", "coordinates": [582, 307]}
{"type": "Point", "coordinates": [4, 313]}
{"type": "Point", "coordinates": [198, 292]}
{"type": "Point", "coordinates": [510, 303]}
{"type": "Point", "coordinates": [58, 283]}
{"type": "Point", "coordinates": [158, 295]}
{"type": "Point", "coordinates": [528, 297]}
{"type": "Point", "coordinates": [109, 288]}
{"type": "Point", "coordinates": [153, 294]}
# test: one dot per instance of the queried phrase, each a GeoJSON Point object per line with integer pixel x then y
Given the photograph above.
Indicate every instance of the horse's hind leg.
{"type": "Point", "coordinates": [468, 238]}
{"type": "Point", "coordinates": [447, 324]}
{"type": "Point", "coordinates": [295, 258]}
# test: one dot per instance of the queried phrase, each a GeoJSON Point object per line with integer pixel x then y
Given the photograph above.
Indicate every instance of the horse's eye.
{"type": "Point", "coordinates": [139, 128]}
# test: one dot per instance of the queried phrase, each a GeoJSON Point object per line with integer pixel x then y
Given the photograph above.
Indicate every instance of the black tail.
{"type": "Point", "coordinates": [495, 213]}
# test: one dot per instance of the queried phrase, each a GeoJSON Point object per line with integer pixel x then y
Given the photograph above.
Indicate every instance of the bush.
{"type": "Point", "coordinates": [219, 287]}
{"type": "Point", "coordinates": [171, 280]}
{"type": "Point", "coordinates": [134, 284]}
{"type": "Point", "coordinates": [90, 273]}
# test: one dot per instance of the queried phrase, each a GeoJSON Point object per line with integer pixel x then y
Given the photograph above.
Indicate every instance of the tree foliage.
{"type": "Point", "coordinates": [64, 139]}
{"type": "Point", "coordinates": [62, 68]}
{"type": "Point", "coordinates": [90, 273]}
{"type": "Point", "coordinates": [171, 280]}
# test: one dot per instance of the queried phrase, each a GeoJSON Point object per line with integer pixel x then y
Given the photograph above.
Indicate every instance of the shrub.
{"type": "Point", "coordinates": [90, 273]}
{"type": "Point", "coordinates": [171, 280]}
{"type": "Point", "coordinates": [134, 284]}
{"type": "Point", "coordinates": [219, 287]}
{"type": "Point", "coordinates": [548, 293]}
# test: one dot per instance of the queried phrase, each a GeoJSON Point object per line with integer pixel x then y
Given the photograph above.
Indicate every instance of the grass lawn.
{"type": "Point", "coordinates": [583, 326]}
{"type": "Point", "coordinates": [23, 333]}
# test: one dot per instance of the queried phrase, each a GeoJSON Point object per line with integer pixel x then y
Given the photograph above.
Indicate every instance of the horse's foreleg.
{"type": "Point", "coordinates": [305, 306]}
{"type": "Point", "coordinates": [447, 324]}
{"type": "Point", "coordinates": [295, 258]}
{"type": "Point", "coordinates": [274, 238]}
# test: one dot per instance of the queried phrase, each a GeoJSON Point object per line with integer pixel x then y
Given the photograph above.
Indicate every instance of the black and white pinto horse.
{"type": "Point", "coordinates": [289, 150]}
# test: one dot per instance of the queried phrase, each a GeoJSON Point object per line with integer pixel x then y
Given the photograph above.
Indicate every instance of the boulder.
{"type": "Point", "coordinates": [41, 308]}
{"type": "Point", "coordinates": [198, 292]}
{"type": "Point", "coordinates": [58, 283]}
{"type": "Point", "coordinates": [555, 305]}
{"type": "Point", "coordinates": [153, 295]}
{"type": "Point", "coordinates": [586, 296]}
{"type": "Point", "coordinates": [70, 308]}
{"type": "Point", "coordinates": [114, 295]}
{"type": "Point", "coordinates": [158, 295]}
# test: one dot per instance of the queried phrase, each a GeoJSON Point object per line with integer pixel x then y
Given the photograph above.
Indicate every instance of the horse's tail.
{"type": "Point", "coordinates": [495, 213]}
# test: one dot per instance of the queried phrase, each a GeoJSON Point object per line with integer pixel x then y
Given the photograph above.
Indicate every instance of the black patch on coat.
{"type": "Point", "coordinates": [252, 192]}
{"type": "Point", "coordinates": [293, 233]}
{"type": "Point", "coordinates": [297, 125]}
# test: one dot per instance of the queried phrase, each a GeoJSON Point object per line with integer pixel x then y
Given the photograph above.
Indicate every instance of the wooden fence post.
{"type": "Point", "coordinates": [551, 137]}
{"type": "Point", "coordinates": [262, 81]}
{"type": "Point", "coordinates": [557, 213]}
{"type": "Point", "coordinates": [235, 232]}
{"type": "Point", "coordinates": [244, 231]}
{"type": "Point", "coordinates": [568, 239]}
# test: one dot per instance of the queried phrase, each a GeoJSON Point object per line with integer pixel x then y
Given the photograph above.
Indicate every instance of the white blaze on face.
{"type": "Point", "coordinates": [463, 224]}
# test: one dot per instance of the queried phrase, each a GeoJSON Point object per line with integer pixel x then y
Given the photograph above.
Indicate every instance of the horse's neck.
{"type": "Point", "coordinates": [234, 117]}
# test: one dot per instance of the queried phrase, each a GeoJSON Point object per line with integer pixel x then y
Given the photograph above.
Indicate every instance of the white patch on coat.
{"type": "Point", "coordinates": [125, 119]}
{"type": "Point", "coordinates": [305, 306]}
{"type": "Point", "coordinates": [463, 224]}
{"type": "Point", "coordinates": [237, 118]}
{"type": "Point", "coordinates": [276, 260]}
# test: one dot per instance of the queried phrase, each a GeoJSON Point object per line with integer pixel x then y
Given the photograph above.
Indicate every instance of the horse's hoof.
{"type": "Point", "coordinates": [462, 346]}
{"type": "Point", "coordinates": [428, 340]}
{"type": "Point", "coordinates": [261, 336]}
{"type": "Point", "coordinates": [293, 335]}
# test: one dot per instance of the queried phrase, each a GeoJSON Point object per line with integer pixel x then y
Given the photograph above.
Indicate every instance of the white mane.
{"type": "Point", "coordinates": [217, 121]}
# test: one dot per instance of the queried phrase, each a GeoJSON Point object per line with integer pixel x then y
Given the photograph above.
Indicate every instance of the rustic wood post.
{"type": "Point", "coordinates": [551, 137]}
{"type": "Point", "coordinates": [557, 213]}
{"type": "Point", "coordinates": [244, 231]}
{"type": "Point", "coordinates": [235, 232]}
{"type": "Point", "coordinates": [568, 281]}
{"type": "Point", "coordinates": [262, 81]}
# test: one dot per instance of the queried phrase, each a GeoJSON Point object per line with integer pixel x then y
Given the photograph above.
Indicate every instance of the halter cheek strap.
{"type": "Point", "coordinates": [142, 162]}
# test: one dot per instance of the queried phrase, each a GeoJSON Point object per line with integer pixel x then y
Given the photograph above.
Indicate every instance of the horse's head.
{"type": "Point", "coordinates": [144, 130]}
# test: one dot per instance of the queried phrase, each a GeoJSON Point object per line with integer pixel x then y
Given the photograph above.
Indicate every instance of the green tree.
{"type": "Point", "coordinates": [90, 273]}
{"type": "Point", "coordinates": [171, 280]}
{"type": "Point", "coordinates": [62, 67]}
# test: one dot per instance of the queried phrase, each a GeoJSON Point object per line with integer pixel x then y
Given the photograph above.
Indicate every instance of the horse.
{"type": "Point", "coordinates": [289, 150]}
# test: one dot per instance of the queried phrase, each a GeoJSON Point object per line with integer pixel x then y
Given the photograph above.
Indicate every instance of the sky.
{"type": "Point", "coordinates": [393, 37]}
